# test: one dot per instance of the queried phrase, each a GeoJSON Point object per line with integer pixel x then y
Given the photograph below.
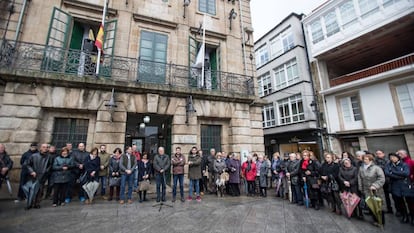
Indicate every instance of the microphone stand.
{"type": "Point", "coordinates": [161, 204]}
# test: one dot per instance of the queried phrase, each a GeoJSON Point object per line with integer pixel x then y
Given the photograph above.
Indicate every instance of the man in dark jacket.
{"type": "Point", "coordinates": [382, 161]}
{"type": "Point", "coordinates": [38, 167]}
{"type": "Point", "coordinates": [79, 157]}
{"type": "Point", "coordinates": [293, 175]}
{"type": "Point", "coordinates": [162, 164]}
{"type": "Point", "coordinates": [23, 172]}
{"type": "Point", "coordinates": [209, 162]}
{"type": "Point", "coordinates": [6, 163]}
{"type": "Point", "coordinates": [178, 162]}
{"type": "Point", "coordinates": [50, 182]}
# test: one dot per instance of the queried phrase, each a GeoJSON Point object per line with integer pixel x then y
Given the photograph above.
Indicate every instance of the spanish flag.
{"type": "Point", "coordinates": [100, 38]}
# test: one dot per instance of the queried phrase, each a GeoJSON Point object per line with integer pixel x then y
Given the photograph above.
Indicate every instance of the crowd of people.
{"type": "Point", "coordinates": [298, 177]}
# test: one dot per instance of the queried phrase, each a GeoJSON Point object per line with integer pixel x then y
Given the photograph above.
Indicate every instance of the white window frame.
{"type": "Point", "coordinates": [276, 47]}
{"type": "Point", "coordinates": [269, 116]}
{"type": "Point", "coordinates": [284, 76]}
{"type": "Point", "coordinates": [351, 112]}
{"type": "Point", "coordinates": [405, 96]}
{"type": "Point", "coordinates": [331, 24]}
{"type": "Point", "coordinates": [367, 7]}
{"type": "Point", "coordinates": [288, 106]}
{"type": "Point", "coordinates": [265, 85]}
{"type": "Point", "coordinates": [317, 34]}
{"type": "Point", "coordinates": [348, 13]}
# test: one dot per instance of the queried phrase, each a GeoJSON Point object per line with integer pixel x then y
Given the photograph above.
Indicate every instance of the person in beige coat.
{"type": "Point", "coordinates": [371, 179]}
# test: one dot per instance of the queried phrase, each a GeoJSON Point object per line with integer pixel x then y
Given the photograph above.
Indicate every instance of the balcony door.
{"type": "Point", "coordinates": [70, 45]}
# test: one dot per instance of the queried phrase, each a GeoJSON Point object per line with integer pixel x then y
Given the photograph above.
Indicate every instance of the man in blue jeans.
{"type": "Point", "coordinates": [162, 164]}
{"type": "Point", "coordinates": [127, 165]}
{"type": "Point", "coordinates": [178, 162]}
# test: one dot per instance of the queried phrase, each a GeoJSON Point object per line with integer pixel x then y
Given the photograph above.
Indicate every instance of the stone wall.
{"type": "Point", "coordinates": [27, 114]}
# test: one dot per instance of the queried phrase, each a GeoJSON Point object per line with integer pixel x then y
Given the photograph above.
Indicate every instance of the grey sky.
{"type": "Point", "coordinates": [268, 13]}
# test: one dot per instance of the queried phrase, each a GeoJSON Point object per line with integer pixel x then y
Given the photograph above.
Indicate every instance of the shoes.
{"type": "Point", "coordinates": [121, 202]}
{"type": "Point", "coordinates": [54, 205]}
{"type": "Point", "coordinates": [189, 198]}
{"type": "Point", "coordinates": [198, 198]}
{"type": "Point", "coordinates": [316, 207]}
{"type": "Point", "coordinates": [67, 200]}
{"type": "Point", "coordinates": [202, 193]}
{"type": "Point", "coordinates": [110, 199]}
{"type": "Point", "coordinates": [105, 197]}
{"type": "Point", "coordinates": [129, 201]}
{"type": "Point", "coordinates": [37, 206]}
{"type": "Point", "coordinates": [82, 199]}
{"type": "Point", "coordinates": [62, 204]}
{"type": "Point", "coordinates": [182, 199]}
{"type": "Point", "coordinates": [338, 212]}
{"type": "Point", "coordinates": [173, 199]}
{"type": "Point", "coordinates": [158, 199]}
{"type": "Point", "coordinates": [87, 202]}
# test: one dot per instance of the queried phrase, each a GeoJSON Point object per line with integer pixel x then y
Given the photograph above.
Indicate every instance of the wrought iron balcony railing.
{"type": "Point", "coordinates": [41, 58]}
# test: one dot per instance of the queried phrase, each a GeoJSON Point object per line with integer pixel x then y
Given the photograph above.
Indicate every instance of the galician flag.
{"type": "Point", "coordinates": [100, 38]}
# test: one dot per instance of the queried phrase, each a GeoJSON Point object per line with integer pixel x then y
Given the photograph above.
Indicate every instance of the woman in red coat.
{"type": "Point", "coordinates": [249, 173]}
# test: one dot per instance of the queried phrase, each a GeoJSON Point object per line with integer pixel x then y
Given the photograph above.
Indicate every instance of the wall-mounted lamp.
{"type": "Point", "coordinates": [146, 119]}
{"type": "Point", "coordinates": [185, 5]}
{"type": "Point", "coordinates": [232, 16]}
{"type": "Point", "coordinates": [111, 105]}
{"type": "Point", "coordinates": [189, 109]}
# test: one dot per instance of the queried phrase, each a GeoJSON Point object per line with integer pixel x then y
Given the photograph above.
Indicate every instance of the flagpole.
{"type": "Point", "coordinates": [203, 52]}
{"type": "Point", "coordinates": [98, 60]}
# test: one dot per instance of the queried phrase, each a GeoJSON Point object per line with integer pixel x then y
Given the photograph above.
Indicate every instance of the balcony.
{"type": "Point", "coordinates": [43, 61]}
{"type": "Point", "coordinates": [374, 70]}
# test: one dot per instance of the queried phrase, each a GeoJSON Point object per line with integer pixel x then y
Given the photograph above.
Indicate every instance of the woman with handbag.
{"type": "Point", "coordinates": [114, 175]}
{"type": "Point", "coordinates": [329, 176]}
{"type": "Point", "coordinates": [371, 178]}
{"type": "Point", "coordinates": [144, 173]}
{"type": "Point", "coordinates": [309, 171]}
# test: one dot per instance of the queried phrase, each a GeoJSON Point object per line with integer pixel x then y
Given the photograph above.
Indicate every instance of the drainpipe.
{"type": "Point", "coordinates": [19, 23]}
{"type": "Point", "coordinates": [315, 99]}
{"type": "Point", "coordinates": [243, 45]}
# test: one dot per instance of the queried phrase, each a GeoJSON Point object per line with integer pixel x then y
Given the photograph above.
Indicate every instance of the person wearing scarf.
{"type": "Point", "coordinates": [249, 173]}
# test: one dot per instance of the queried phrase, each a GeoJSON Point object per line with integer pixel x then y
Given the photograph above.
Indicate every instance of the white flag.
{"type": "Point", "coordinates": [200, 57]}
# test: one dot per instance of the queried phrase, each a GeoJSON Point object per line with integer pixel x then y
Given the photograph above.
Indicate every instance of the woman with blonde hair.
{"type": "Point", "coordinates": [371, 178]}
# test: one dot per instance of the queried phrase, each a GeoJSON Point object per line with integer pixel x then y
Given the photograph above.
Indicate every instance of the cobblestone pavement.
{"type": "Point", "coordinates": [213, 214]}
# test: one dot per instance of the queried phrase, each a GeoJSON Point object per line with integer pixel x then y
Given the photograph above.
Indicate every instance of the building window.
{"type": "Point", "coordinates": [317, 33]}
{"type": "Point", "coordinates": [153, 57]}
{"type": "Point", "coordinates": [69, 130]}
{"type": "Point", "coordinates": [368, 7]}
{"type": "Point", "coordinates": [262, 56]}
{"type": "Point", "coordinates": [291, 110]}
{"type": "Point", "coordinates": [265, 85]}
{"type": "Point", "coordinates": [351, 109]}
{"type": "Point", "coordinates": [348, 14]}
{"type": "Point", "coordinates": [207, 6]}
{"type": "Point", "coordinates": [406, 99]}
{"type": "Point", "coordinates": [331, 24]}
{"type": "Point", "coordinates": [282, 43]}
{"type": "Point", "coordinates": [268, 114]}
{"type": "Point", "coordinates": [210, 138]}
{"type": "Point", "coordinates": [389, 2]}
{"type": "Point", "coordinates": [286, 74]}
{"type": "Point", "coordinates": [276, 47]}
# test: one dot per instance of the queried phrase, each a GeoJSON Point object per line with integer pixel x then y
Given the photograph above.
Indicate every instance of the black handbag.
{"type": "Point", "coordinates": [114, 181]}
{"type": "Point", "coordinates": [334, 186]}
{"type": "Point", "coordinates": [83, 178]}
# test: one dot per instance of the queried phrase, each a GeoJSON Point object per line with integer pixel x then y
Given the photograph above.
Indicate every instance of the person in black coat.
{"type": "Point", "coordinates": [348, 181]}
{"type": "Point", "coordinates": [23, 172]}
{"type": "Point", "coordinates": [329, 174]}
{"type": "Point", "coordinates": [292, 172]}
{"type": "Point", "coordinates": [91, 166]}
{"type": "Point", "coordinates": [381, 160]}
{"type": "Point", "coordinates": [309, 171]}
{"type": "Point", "coordinates": [398, 173]}
{"type": "Point", "coordinates": [144, 173]}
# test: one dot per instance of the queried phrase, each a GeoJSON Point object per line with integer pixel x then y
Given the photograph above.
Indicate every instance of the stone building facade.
{"type": "Point", "coordinates": [49, 93]}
